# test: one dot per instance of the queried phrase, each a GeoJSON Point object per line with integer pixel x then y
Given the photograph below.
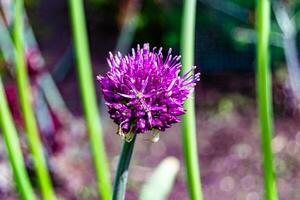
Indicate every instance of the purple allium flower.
{"type": "Point", "coordinates": [144, 92]}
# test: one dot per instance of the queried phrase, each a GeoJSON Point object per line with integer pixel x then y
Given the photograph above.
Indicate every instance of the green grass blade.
{"type": "Point", "coordinates": [264, 92]}
{"type": "Point", "coordinates": [84, 70]}
{"type": "Point", "coordinates": [14, 149]}
{"type": "Point", "coordinates": [189, 119]}
{"type": "Point", "coordinates": [157, 189]}
{"type": "Point", "coordinates": [26, 106]}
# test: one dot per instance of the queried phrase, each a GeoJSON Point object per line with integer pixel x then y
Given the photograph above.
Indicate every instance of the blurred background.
{"type": "Point", "coordinates": [227, 126]}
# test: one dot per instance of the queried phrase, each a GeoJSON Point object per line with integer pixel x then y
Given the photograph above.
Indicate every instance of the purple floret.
{"type": "Point", "coordinates": [144, 92]}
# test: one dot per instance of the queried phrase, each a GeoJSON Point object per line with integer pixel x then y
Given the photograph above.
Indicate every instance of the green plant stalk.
{"type": "Point", "coordinates": [24, 92]}
{"type": "Point", "coordinates": [189, 120]}
{"type": "Point", "coordinates": [84, 70]}
{"type": "Point", "coordinates": [122, 170]}
{"type": "Point", "coordinates": [264, 92]}
{"type": "Point", "coordinates": [14, 149]}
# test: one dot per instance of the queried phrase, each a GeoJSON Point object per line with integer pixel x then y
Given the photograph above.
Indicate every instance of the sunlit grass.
{"type": "Point", "coordinates": [264, 92]}
{"type": "Point", "coordinates": [87, 89]}
{"type": "Point", "coordinates": [14, 151]}
{"type": "Point", "coordinates": [25, 98]}
{"type": "Point", "coordinates": [189, 131]}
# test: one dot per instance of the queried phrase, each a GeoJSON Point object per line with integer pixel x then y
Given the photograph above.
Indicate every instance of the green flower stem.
{"type": "Point", "coordinates": [13, 149]}
{"type": "Point", "coordinates": [264, 92]}
{"type": "Point", "coordinates": [122, 171]}
{"type": "Point", "coordinates": [189, 120]}
{"type": "Point", "coordinates": [88, 97]}
{"type": "Point", "coordinates": [26, 106]}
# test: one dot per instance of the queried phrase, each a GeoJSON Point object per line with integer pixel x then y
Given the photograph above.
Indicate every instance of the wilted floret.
{"type": "Point", "coordinates": [144, 92]}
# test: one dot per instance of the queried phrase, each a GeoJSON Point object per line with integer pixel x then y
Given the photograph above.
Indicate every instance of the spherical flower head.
{"type": "Point", "coordinates": [144, 91]}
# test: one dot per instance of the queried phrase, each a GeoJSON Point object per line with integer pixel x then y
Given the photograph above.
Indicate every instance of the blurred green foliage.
{"type": "Point", "coordinates": [225, 36]}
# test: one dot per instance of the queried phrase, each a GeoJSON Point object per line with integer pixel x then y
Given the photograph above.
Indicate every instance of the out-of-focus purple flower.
{"type": "Point", "coordinates": [51, 137]}
{"type": "Point", "coordinates": [143, 91]}
{"type": "Point", "coordinates": [34, 62]}
{"type": "Point", "coordinates": [13, 103]}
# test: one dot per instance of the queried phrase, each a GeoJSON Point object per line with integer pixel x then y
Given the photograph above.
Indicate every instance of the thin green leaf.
{"type": "Point", "coordinates": [84, 71]}
{"type": "Point", "coordinates": [14, 149]}
{"type": "Point", "coordinates": [189, 131]}
{"type": "Point", "coordinates": [24, 92]}
{"type": "Point", "coordinates": [264, 93]}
